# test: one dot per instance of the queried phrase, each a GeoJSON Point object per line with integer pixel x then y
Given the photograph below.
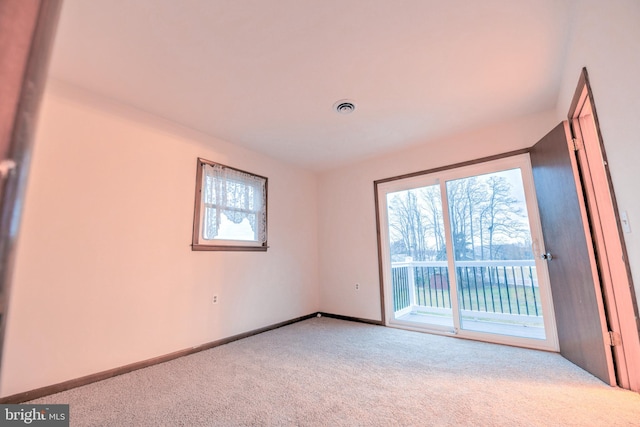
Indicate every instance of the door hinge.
{"type": "Point", "coordinates": [614, 339]}
{"type": "Point", "coordinates": [577, 144]}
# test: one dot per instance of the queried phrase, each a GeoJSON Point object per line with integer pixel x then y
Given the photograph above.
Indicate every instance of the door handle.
{"type": "Point", "coordinates": [547, 256]}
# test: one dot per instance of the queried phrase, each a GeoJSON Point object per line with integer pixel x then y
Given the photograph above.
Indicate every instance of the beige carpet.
{"type": "Point", "coordinates": [327, 372]}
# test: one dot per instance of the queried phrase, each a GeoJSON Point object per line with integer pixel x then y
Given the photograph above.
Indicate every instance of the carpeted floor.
{"type": "Point", "coordinates": [328, 372]}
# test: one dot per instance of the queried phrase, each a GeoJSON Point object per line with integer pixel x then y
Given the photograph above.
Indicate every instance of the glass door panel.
{"type": "Point", "coordinates": [418, 257]}
{"type": "Point", "coordinates": [495, 268]}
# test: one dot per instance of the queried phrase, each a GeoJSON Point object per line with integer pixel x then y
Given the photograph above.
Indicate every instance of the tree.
{"type": "Point", "coordinates": [501, 214]}
{"type": "Point", "coordinates": [407, 224]}
{"type": "Point", "coordinates": [486, 221]}
{"type": "Point", "coordinates": [464, 197]}
{"type": "Point", "coordinates": [434, 225]}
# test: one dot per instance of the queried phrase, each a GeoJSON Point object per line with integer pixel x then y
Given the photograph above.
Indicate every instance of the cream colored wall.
{"type": "Point", "coordinates": [105, 275]}
{"type": "Point", "coordinates": [347, 226]}
{"type": "Point", "coordinates": [605, 40]}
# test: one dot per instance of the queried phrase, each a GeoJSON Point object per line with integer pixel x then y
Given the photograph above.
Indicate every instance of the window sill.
{"type": "Point", "coordinates": [229, 248]}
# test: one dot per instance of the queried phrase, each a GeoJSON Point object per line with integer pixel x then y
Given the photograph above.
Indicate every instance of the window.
{"type": "Point", "coordinates": [230, 209]}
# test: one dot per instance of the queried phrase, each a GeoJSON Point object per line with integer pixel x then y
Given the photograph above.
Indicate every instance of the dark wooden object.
{"type": "Point", "coordinates": [578, 319]}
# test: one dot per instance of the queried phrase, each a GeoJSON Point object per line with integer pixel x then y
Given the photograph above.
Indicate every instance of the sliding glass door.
{"type": "Point", "coordinates": [495, 269]}
{"type": "Point", "coordinates": [458, 254]}
{"type": "Point", "coordinates": [418, 256]}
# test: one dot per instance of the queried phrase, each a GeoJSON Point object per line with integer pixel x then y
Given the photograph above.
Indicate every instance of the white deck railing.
{"type": "Point", "coordinates": [501, 289]}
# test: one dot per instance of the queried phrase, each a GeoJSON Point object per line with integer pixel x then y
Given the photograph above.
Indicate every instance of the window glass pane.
{"type": "Point", "coordinates": [210, 223]}
{"type": "Point", "coordinates": [498, 288]}
{"type": "Point", "coordinates": [418, 251]}
{"type": "Point", "coordinates": [489, 217]}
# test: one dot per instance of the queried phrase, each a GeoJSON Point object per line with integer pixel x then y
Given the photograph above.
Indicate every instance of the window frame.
{"type": "Point", "coordinates": [198, 243]}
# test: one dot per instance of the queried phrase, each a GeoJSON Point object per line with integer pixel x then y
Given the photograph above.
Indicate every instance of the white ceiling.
{"type": "Point", "coordinates": [265, 74]}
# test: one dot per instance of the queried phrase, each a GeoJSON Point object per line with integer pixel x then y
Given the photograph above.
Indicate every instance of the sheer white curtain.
{"type": "Point", "coordinates": [234, 205]}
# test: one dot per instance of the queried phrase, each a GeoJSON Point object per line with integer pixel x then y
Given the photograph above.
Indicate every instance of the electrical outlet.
{"type": "Point", "coordinates": [357, 286]}
{"type": "Point", "coordinates": [215, 299]}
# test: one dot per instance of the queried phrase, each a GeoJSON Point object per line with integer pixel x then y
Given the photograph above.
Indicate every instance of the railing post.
{"type": "Point", "coordinates": [411, 280]}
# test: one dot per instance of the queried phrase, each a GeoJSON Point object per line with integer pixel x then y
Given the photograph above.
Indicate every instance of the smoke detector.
{"type": "Point", "coordinates": [344, 106]}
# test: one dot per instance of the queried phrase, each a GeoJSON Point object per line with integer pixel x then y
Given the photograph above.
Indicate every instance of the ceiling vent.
{"type": "Point", "coordinates": [344, 106]}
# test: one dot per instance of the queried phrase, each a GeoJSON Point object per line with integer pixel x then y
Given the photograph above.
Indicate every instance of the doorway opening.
{"type": "Point", "coordinates": [458, 254]}
{"type": "Point", "coordinates": [606, 225]}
